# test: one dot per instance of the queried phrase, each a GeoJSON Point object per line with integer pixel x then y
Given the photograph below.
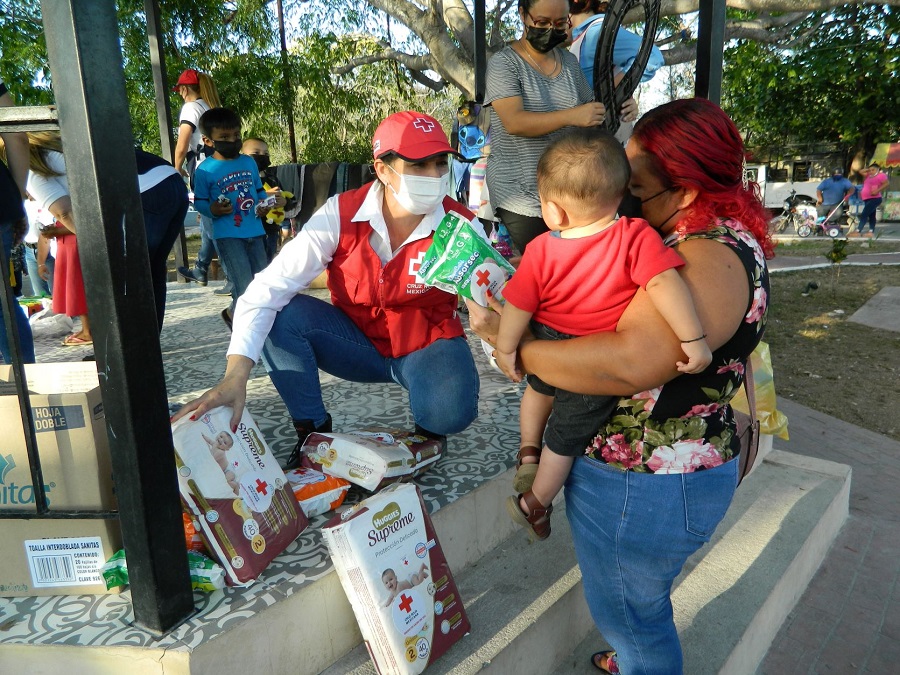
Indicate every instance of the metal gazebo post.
{"type": "Point", "coordinates": [710, 49]}
{"type": "Point", "coordinates": [89, 85]}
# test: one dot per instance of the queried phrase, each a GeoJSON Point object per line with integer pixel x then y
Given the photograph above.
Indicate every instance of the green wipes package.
{"type": "Point", "coordinates": [461, 261]}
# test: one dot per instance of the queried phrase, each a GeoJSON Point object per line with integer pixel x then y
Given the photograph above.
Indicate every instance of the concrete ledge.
{"type": "Point", "coordinates": [525, 605]}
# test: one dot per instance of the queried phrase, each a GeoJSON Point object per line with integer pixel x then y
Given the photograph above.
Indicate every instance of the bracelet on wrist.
{"type": "Point", "coordinates": [696, 339]}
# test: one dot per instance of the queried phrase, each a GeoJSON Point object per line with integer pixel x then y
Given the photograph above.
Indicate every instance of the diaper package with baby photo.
{"type": "Point", "coordinates": [460, 261]}
{"type": "Point", "coordinates": [232, 484]}
{"type": "Point", "coordinates": [392, 568]}
{"type": "Point", "coordinates": [371, 458]}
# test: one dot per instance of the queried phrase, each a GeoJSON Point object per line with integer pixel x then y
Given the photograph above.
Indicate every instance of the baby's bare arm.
{"type": "Point", "coordinates": [672, 299]}
{"type": "Point", "coordinates": [513, 324]}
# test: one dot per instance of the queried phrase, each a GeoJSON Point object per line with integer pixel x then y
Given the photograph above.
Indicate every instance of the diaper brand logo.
{"type": "Point", "coordinates": [251, 438]}
{"type": "Point", "coordinates": [387, 521]}
{"type": "Point", "coordinates": [384, 518]}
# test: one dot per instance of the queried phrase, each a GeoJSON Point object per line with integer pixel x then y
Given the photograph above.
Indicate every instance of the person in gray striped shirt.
{"type": "Point", "coordinates": [535, 89]}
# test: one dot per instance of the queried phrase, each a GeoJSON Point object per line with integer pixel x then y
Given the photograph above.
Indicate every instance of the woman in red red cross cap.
{"type": "Point", "coordinates": [383, 324]}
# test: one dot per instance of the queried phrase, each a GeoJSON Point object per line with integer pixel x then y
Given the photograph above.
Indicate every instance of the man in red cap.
{"type": "Point", "coordinates": [384, 324]}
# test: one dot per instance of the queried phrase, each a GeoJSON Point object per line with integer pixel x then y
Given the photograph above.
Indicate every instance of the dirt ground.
{"type": "Point", "coordinates": [826, 362]}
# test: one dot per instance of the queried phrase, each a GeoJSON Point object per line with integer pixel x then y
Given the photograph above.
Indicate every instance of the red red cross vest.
{"type": "Point", "coordinates": [397, 312]}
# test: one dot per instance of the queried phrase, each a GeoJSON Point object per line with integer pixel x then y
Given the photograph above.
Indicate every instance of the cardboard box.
{"type": "Point", "coordinates": [56, 557]}
{"type": "Point", "coordinates": [70, 427]}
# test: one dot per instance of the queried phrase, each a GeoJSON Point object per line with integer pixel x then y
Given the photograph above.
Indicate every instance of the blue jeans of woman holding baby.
{"type": "Point", "coordinates": [632, 542]}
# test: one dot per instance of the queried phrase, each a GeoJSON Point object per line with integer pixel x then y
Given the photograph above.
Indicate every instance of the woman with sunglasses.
{"type": "Point", "coordinates": [535, 88]}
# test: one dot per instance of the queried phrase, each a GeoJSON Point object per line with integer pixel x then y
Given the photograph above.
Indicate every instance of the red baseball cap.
{"type": "Point", "coordinates": [189, 76]}
{"type": "Point", "coordinates": [410, 135]}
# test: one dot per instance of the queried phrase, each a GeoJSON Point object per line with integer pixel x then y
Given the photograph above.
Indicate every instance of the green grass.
{"type": "Point", "coordinates": [821, 245]}
{"type": "Point", "coordinates": [826, 362]}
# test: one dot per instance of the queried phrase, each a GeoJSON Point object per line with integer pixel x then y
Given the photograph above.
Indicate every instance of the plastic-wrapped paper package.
{"type": "Point", "coordinates": [461, 261]}
{"type": "Point", "coordinates": [233, 485]}
{"type": "Point", "coordinates": [391, 566]}
{"type": "Point", "coordinates": [371, 458]}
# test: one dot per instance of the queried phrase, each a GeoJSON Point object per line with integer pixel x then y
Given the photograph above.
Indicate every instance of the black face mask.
{"type": "Point", "coordinates": [262, 162]}
{"type": "Point", "coordinates": [228, 149]}
{"type": "Point", "coordinates": [545, 39]}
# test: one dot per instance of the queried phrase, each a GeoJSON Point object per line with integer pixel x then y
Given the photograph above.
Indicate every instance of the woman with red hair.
{"type": "Point", "coordinates": [658, 477]}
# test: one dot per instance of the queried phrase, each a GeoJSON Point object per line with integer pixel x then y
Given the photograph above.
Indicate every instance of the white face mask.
{"type": "Point", "coordinates": [420, 194]}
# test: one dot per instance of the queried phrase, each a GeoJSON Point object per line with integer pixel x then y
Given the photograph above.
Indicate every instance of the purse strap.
{"type": "Point", "coordinates": [750, 388]}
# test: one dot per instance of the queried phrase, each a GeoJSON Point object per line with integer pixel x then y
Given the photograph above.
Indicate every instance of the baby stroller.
{"type": "Point", "coordinates": [829, 225]}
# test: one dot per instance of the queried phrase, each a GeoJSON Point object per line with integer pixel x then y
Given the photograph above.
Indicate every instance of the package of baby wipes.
{"type": "Point", "coordinates": [233, 486]}
{"type": "Point", "coordinates": [461, 261]}
{"type": "Point", "coordinates": [391, 566]}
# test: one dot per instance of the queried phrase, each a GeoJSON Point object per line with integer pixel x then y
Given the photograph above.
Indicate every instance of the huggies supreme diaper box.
{"type": "Point", "coordinates": [394, 573]}
{"type": "Point", "coordinates": [232, 484]}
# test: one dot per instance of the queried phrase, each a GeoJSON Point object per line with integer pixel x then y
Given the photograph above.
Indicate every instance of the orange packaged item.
{"type": "Point", "coordinates": [317, 492]}
{"type": "Point", "coordinates": [192, 538]}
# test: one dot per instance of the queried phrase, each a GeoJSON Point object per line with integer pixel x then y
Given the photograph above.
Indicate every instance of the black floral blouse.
{"type": "Point", "coordinates": [686, 425]}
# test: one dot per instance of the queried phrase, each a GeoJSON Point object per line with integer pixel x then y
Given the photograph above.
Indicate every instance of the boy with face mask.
{"type": "Point", "coordinates": [383, 323]}
{"type": "Point", "coordinates": [227, 189]}
{"type": "Point", "coordinates": [258, 150]}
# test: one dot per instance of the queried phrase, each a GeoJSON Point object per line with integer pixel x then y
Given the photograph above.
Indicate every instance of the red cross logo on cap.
{"type": "Point", "coordinates": [484, 278]}
{"type": "Point", "coordinates": [423, 124]}
{"type": "Point", "coordinates": [405, 603]}
{"type": "Point", "coordinates": [261, 487]}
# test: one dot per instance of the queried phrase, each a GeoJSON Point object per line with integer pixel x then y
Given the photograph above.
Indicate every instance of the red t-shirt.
{"type": "Point", "coordinates": [582, 286]}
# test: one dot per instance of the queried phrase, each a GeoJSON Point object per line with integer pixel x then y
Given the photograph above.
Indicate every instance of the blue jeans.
{"type": "Point", "coordinates": [309, 334]}
{"type": "Point", "coordinates": [242, 258]}
{"type": "Point", "coordinates": [209, 249]}
{"type": "Point", "coordinates": [272, 244]}
{"type": "Point", "coordinates": [38, 285]}
{"type": "Point", "coordinates": [24, 329]}
{"type": "Point", "coordinates": [868, 213]}
{"type": "Point", "coordinates": [633, 533]}
{"type": "Point", "coordinates": [164, 206]}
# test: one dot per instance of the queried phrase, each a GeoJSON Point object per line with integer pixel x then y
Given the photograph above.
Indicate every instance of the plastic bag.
{"type": "Point", "coordinates": [47, 324]}
{"type": "Point", "coordinates": [461, 261]}
{"type": "Point", "coordinates": [771, 420]}
{"type": "Point", "coordinates": [206, 574]}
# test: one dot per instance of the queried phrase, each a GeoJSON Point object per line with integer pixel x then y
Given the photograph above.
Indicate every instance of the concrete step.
{"type": "Point", "coordinates": [735, 593]}
{"type": "Point", "coordinates": [525, 605]}
{"type": "Point", "coordinates": [525, 601]}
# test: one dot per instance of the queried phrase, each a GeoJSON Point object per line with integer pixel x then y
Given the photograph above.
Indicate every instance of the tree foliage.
{"type": "Point", "coordinates": [350, 62]}
{"type": "Point", "coordinates": [840, 84]}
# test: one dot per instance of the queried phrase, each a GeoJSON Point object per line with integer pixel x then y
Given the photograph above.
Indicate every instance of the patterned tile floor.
{"type": "Point", "coordinates": [194, 341]}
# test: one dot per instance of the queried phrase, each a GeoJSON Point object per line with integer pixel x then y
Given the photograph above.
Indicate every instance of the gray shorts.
{"type": "Point", "coordinates": [576, 418]}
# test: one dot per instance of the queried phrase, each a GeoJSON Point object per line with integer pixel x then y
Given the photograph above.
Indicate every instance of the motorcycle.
{"type": "Point", "coordinates": [797, 212]}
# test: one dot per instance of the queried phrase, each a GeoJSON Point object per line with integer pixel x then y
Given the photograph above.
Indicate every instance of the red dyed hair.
{"type": "Point", "coordinates": [695, 145]}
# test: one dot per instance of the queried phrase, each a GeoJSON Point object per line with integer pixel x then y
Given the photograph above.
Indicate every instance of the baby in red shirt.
{"type": "Point", "coordinates": [575, 280]}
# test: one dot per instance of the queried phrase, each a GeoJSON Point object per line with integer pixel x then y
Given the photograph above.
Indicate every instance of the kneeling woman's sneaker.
{"type": "Point", "coordinates": [304, 428]}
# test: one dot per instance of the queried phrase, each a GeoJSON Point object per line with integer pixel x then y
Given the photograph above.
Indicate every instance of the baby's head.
{"type": "Point", "coordinates": [584, 172]}
{"type": "Point", "coordinates": [389, 579]}
{"type": "Point", "coordinates": [224, 441]}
